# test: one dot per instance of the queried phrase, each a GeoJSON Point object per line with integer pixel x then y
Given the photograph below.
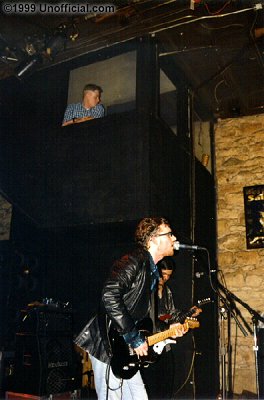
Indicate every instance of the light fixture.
{"type": "Point", "coordinates": [28, 66]}
{"type": "Point", "coordinates": [57, 41]}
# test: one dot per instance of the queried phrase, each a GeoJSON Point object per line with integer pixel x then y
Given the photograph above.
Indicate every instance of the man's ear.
{"type": "Point", "coordinates": [150, 241]}
{"type": "Point", "coordinates": [153, 239]}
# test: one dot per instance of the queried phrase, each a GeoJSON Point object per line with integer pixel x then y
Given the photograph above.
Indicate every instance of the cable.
{"type": "Point", "coordinates": [189, 372]}
{"type": "Point", "coordinates": [107, 376]}
{"type": "Point", "coordinates": [260, 58]}
{"type": "Point", "coordinates": [201, 18]}
{"type": "Point", "coordinates": [234, 362]}
{"type": "Point", "coordinates": [216, 12]}
{"type": "Point", "coordinates": [214, 28]}
{"type": "Point", "coordinates": [216, 87]}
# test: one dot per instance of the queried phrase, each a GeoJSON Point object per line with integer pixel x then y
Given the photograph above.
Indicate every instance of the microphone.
{"type": "Point", "coordinates": [198, 274]}
{"type": "Point", "coordinates": [177, 246]}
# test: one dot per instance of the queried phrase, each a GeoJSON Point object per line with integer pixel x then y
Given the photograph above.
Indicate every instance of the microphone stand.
{"type": "Point", "coordinates": [255, 318]}
{"type": "Point", "coordinates": [226, 312]}
{"type": "Point", "coordinates": [227, 308]}
{"type": "Point", "coordinates": [223, 317]}
{"type": "Point", "coordinates": [230, 297]}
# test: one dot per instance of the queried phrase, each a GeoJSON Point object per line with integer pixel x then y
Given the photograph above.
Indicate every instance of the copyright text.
{"type": "Point", "coordinates": [61, 8]}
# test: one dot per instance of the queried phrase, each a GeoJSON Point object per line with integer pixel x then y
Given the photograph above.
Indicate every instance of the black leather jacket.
{"type": "Point", "coordinates": [125, 300]}
{"type": "Point", "coordinates": [167, 308]}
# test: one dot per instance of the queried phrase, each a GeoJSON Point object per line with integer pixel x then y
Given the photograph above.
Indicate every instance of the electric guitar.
{"type": "Point", "coordinates": [182, 317]}
{"type": "Point", "coordinates": [125, 362]}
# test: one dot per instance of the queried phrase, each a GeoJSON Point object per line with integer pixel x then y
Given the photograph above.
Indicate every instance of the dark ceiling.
{"type": "Point", "coordinates": [219, 46]}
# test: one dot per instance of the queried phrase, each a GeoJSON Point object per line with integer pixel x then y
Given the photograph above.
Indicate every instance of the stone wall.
{"type": "Point", "coordinates": [5, 218]}
{"type": "Point", "coordinates": [239, 162]}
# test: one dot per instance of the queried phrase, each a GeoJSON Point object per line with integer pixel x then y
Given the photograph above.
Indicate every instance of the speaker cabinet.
{"type": "Point", "coordinates": [44, 365]}
{"type": "Point", "coordinates": [260, 361]}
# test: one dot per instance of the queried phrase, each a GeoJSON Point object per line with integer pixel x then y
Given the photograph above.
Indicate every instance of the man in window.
{"type": "Point", "coordinates": [89, 108]}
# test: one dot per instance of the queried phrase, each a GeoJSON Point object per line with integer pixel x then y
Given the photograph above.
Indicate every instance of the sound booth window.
{"type": "Point", "coordinates": [168, 101]}
{"type": "Point", "coordinates": [116, 76]}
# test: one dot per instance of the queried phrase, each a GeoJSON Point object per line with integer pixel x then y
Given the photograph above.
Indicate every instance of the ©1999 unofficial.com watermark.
{"type": "Point", "coordinates": [59, 8]}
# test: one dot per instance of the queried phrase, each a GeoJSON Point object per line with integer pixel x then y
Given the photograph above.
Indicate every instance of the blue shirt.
{"type": "Point", "coordinates": [155, 276]}
{"type": "Point", "coordinates": [78, 111]}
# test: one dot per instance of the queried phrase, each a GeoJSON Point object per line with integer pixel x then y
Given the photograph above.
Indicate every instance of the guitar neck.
{"type": "Point", "coordinates": [158, 337]}
{"type": "Point", "coordinates": [191, 311]}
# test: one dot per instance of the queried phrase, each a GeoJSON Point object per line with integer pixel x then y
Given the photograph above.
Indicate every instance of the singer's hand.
{"type": "Point", "coordinates": [142, 350]}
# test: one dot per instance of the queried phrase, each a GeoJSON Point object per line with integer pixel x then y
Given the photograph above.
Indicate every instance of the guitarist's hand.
{"type": "Point", "coordinates": [196, 310]}
{"type": "Point", "coordinates": [142, 350]}
{"type": "Point", "coordinates": [180, 329]}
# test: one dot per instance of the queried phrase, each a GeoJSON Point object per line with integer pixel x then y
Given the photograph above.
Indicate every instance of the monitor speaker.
{"type": "Point", "coordinates": [44, 365]}
{"type": "Point", "coordinates": [260, 360]}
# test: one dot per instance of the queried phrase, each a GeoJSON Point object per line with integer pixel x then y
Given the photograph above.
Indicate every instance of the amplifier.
{"type": "Point", "coordinates": [260, 360]}
{"type": "Point", "coordinates": [45, 321]}
{"type": "Point", "coordinates": [45, 365]}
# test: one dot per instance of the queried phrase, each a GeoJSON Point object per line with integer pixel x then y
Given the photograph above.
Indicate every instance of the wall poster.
{"type": "Point", "coordinates": [254, 216]}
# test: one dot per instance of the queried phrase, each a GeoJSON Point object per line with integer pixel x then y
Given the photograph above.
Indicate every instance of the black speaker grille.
{"type": "Point", "coordinates": [58, 351]}
{"type": "Point", "coordinates": [44, 365]}
{"type": "Point", "coordinates": [260, 358]}
{"type": "Point", "coordinates": [57, 381]}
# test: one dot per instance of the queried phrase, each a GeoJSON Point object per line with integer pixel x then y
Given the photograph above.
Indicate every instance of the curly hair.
{"type": "Point", "coordinates": [148, 227]}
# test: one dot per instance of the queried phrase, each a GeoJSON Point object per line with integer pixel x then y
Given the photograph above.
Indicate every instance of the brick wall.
{"type": "Point", "coordinates": [239, 162]}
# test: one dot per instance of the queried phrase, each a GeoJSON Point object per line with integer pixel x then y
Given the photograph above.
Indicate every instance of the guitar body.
{"type": "Point", "coordinates": [125, 363]}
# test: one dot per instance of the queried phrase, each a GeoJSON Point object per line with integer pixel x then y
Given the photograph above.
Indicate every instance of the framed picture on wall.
{"type": "Point", "coordinates": [254, 216]}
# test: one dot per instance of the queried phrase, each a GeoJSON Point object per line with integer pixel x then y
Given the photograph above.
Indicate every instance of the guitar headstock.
{"type": "Point", "coordinates": [192, 323]}
{"type": "Point", "coordinates": [203, 301]}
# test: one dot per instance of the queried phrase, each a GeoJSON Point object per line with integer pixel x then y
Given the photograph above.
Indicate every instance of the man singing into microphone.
{"type": "Point", "coordinates": [126, 300]}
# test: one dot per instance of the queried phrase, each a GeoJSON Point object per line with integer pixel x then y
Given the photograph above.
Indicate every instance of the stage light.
{"type": "Point", "coordinates": [28, 66]}
{"type": "Point", "coordinates": [56, 45]}
{"type": "Point", "coordinates": [57, 42]}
